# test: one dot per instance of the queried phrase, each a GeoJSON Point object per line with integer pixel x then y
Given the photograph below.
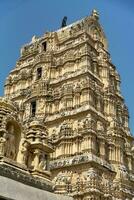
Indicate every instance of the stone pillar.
{"type": "Point", "coordinates": [102, 148]}
{"type": "Point", "coordinates": [75, 147]}
{"type": "Point", "coordinates": [89, 144]}
{"type": "Point", "coordinates": [83, 144]}
{"type": "Point", "coordinates": [85, 96]}
{"type": "Point", "coordinates": [69, 103]}
{"type": "Point", "coordinates": [93, 143]}
{"type": "Point", "coordinates": [77, 100]}
{"type": "Point", "coordinates": [104, 75]}
{"type": "Point", "coordinates": [111, 152]}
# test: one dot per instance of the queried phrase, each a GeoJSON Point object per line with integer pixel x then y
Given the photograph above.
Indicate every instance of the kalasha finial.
{"type": "Point", "coordinates": [95, 14]}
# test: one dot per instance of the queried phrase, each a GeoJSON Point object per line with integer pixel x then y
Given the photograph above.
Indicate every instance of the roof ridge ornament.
{"type": "Point", "coordinates": [95, 14]}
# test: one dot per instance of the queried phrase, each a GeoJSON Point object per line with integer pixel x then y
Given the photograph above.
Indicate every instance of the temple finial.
{"type": "Point", "coordinates": [95, 14]}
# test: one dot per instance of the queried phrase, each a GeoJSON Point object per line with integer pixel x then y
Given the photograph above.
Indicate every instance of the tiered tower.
{"type": "Point", "coordinates": [69, 105]}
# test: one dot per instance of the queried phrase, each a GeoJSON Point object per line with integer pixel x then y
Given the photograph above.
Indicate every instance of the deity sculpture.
{"type": "Point", "coordinates": [3, 144]}
{"type": "Point", "coordinates": [11, 150]}
{"type": "Point", "coordinates": [88, 122]}
{"type": "Point", "coordinates": [42, 162]}
{"type": "Point", "coordinates": [100, 126]}
{"type": "Point", "coordinates": [23, 153]}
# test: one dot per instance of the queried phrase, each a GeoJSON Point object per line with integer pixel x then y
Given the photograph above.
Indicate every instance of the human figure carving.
{"type": "Point", "coordinates": [88, 122]}
{"type": "Point", "coordinates": [11, 151]}
{"type": "Point", "coordinates": [23, 155]}
{"type": "Point", "coordinates": [100, 126]}
{"type": "Point", "coordinates": [3, 142]}
{"type": "Point", "coordinates": [42, 162]}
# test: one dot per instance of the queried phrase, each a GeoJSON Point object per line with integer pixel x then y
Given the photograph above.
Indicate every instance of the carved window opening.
{"type": "Point", "coordinates": [44, 46]}
{"type": "Point", "coordinates": [39, 73]}
{"type": "Point", "coordinates": [33, 108]}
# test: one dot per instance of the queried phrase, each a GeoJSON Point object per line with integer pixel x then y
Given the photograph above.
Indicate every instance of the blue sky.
{"type": "Point", "coordinates": [21, 19]}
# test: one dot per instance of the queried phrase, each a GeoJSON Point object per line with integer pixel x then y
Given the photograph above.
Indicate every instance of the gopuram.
{"type": "Point", "coordinates": [64, 125]}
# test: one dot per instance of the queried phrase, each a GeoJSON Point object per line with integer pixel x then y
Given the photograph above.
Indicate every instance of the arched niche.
{"type": "Point", "coordinates": [97, 34]}
{"type": "Point", "coordinates": [13, 139]}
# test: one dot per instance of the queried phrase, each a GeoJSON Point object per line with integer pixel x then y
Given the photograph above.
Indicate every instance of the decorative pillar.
{"type": "Point", "coordinates": [111, 152]}
{"type": "Point", "coordinates": [102, 147]}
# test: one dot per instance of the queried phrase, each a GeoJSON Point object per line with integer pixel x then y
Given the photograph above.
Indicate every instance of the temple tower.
{"type": "Point", "coordinates": [74, 119]}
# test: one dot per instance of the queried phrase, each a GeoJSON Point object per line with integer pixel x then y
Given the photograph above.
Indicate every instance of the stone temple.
{"type": "Point", "coordinates": [64, 130]}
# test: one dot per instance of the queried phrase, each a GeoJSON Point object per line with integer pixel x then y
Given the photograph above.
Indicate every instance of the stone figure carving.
{"type": "Point", "coordinates": [92, 178]}
{"type": "Point", "coordinates": [96, 35]}
{"type": "Point", "coordinates": [63, 178]}
{"type": "Point", "coordinates": [100, 126]}
{"type": "Point", "coordinates": [35, 159]}
{"type": "Point", "coordinates": [11, 151]}
{"type": "Point", "coordinates": [88, 123]}
{"type": "Point", "coordinates": [123, 173]}
{"type": "Point", "coordinates": [23, 154]}
{"type": "Point", "coordinates": [3, 142]}
{"type": "Point", "coordinates": [42, 162]}
{"type": "Point", "coordinates": [64, 22]}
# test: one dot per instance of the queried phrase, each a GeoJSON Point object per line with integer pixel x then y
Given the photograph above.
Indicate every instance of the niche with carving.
{"type": "Point", "coordinates": [13, 139]}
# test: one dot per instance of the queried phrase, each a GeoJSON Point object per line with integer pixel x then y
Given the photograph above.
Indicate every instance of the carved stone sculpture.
{"type": "Point", "coordinates": [3, 145]}
{"type": "Point", "coordinates": [23, 152]}
{"type": "Point", "coordinates": [43, 162]}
